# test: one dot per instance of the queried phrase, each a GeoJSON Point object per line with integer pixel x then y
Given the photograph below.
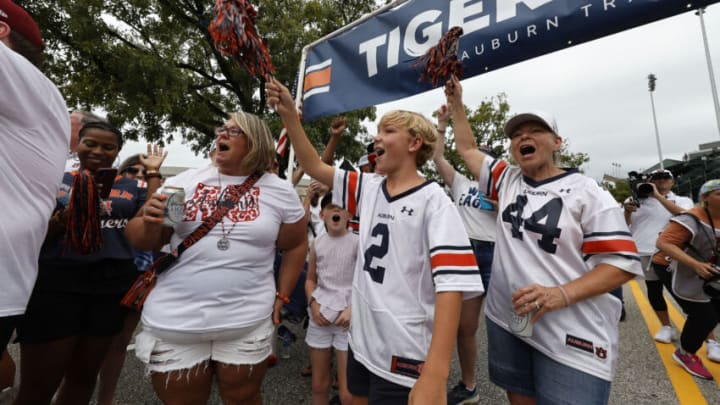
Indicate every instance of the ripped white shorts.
{"type": "Point", "coordinates": [164, 351]}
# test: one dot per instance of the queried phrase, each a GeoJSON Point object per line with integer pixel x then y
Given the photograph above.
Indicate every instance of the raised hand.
{"type": "Point", "coordinates": [279, 98]}
{"type": "Point", "coordinates": [453, 93]}
{"type": "Point", "coordinates": [154, 158]}
{"type": "Point", "coordinates": [316, 188]}
{"type": "Point", "coordinates": [443, 116]}
{"type": "Point", "coordinates": [338, 126]}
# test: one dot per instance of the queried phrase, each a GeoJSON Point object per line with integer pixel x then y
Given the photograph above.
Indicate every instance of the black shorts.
{"type": "Point", "coordinates": [85, 301]}
{"type": "Point", "coordinates": [7, 326]}
{"type": "Point", "coordinates": [363, 383]}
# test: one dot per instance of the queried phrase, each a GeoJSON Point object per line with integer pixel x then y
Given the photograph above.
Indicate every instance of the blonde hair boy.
{"type": "Point", "coordinates": [418, 126]}
{"type": "Point", "coordinates": [410, 236]}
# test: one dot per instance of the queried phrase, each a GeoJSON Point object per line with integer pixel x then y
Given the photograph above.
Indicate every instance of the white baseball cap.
{"type": "Point", "coordinates": [363, 161]}
{"type": "Point", "coordinates": [536, 116]}
{"type": "Point", "coordinates": [661, 174]}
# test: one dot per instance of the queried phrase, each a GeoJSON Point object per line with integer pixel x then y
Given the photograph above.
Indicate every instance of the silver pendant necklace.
{"type": "Point", "coordinates": [224, 243]}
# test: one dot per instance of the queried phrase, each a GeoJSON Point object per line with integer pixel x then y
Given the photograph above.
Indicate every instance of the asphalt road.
{"type": "Point", "coordinates": [641, 376]}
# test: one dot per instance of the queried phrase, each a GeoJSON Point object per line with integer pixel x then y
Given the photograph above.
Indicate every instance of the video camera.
{"type": "Point", "coordinates": [639, 186]}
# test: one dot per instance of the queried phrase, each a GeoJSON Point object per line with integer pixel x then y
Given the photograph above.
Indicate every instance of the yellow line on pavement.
{"type": "Point", "coordinates": [683, 383]}
{"type": "Point", "coordinates": [679, 320]}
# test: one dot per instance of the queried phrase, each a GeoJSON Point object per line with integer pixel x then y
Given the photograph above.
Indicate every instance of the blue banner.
{"type": "Point", "coordinates": [372, 62]}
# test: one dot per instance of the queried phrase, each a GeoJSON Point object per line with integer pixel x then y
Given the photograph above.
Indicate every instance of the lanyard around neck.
{"type": "Point", "coordinates": [714, 235]}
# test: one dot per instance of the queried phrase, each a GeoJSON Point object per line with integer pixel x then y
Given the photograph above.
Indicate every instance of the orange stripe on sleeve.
{"type": "Point", "coordinates": [495, 175]}
{"type": "Point", "coordinates": [609, 246]}
{"type": "Point", "coordinates": [317, 78]}
{"type": "Point", "coordinates": [453, 259]}
{"type": "Point", "coordinates": [352, 189]}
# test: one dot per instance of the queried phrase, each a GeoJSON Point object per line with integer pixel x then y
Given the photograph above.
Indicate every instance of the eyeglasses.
{"type": "Point", "coordinates": [134, 171]}
{"type": "Point", "coordinates": [231, 131]}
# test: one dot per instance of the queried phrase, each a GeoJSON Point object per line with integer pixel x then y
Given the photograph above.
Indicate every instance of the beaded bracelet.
{"type": "Point", "coordinates": [281, 297]}
{"type": "Point", "coordinates": [154, 175]}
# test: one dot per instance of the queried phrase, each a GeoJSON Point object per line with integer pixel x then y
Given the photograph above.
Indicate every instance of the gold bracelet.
{"type": "Point", "coordinates": [566, 298]}
{"type": "Point", "coordinates": [151, 171]}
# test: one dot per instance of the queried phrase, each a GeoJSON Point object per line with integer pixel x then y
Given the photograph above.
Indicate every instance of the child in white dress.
{"type": "Point", "coordinates": [328, 286]}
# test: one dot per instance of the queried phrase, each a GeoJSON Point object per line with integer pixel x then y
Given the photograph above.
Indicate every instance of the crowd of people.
{"type": "Point", "coordinates": [392, 269]}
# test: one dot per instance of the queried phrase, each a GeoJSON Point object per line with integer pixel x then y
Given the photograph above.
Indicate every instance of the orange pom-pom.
{"type": "Point", "coordinates": [441, 61]}
{"type": "Point", "coordinates": [234, 34]}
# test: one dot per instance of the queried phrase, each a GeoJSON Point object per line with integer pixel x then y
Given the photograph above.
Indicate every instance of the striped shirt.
{"type": "Point", "coordinates": [412, 246]}
{"type": "Point", "coordinates": [550, 233]}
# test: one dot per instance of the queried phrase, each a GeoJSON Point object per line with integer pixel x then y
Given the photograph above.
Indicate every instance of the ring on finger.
{"type": "Point", "coordinates": [537, 305]}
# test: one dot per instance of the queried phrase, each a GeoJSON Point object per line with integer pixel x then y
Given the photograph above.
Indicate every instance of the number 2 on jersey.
{"type": "Point", "coordinates": [549, 230]}
{"type": "Point", "coordinates": [377, 273]}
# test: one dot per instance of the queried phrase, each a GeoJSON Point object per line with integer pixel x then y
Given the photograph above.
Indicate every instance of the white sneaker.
{"type": "Point", "coordinates": [675, 334]}
{"type": "Point", "coordinates": [667, 334]}
{"type": "Point", "coordinates": [7, 395]}
{"type": "Point", "coordinates": [713, 350]}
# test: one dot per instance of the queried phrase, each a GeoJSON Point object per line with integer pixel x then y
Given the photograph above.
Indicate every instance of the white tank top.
{"type": "Point", "coordinates": [335, 259]}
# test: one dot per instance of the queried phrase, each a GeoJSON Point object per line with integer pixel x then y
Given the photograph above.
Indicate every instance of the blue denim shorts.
{"type": "Point", "coordinates": [519, 368]}
{"type": "Point", "coordinates": [484, 255]}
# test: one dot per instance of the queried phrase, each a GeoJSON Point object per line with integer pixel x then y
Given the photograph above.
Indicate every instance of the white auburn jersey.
{"type": "Point", "coordinates": [412, 246]}
{"type": "Point", "coordinates": [550, 233]}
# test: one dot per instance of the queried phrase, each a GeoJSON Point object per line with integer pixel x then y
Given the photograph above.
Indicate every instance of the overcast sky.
{"type": "Point", "coordinates": [598, 92]}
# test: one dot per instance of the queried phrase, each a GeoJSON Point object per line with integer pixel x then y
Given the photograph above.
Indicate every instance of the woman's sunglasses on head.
{"type": "Point", "coordinates": [134, 171]}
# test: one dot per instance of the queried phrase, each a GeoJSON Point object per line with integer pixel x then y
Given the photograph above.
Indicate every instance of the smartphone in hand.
{"type": "Point", "coordinates": [104, 178]}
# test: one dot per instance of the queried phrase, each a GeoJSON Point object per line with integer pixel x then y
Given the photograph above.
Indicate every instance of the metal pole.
{"type": "Point", "coordinates": [713, 87]}
{"type": "Point", "coordinates": [657, 133]}
{"type": "Point", "coordinates": [298, 105]}
{"type": "Point", "coordinates": [651, 87]}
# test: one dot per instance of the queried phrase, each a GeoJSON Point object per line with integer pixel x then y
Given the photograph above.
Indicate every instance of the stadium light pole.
{"type": "Point", "coordinates": [651, 87]}
{"type": "Point", "coordinates": [713, 87]}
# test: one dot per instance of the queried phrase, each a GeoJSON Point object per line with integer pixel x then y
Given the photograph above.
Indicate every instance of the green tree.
{"type": "Point", "coordinates": [619, 189]}
{"type": "Point", "coordinates": [572, 159]}
{"type": "Point", "coordinates": [487, 122]}
{"type": "Point", "coordinates": [150, 63]}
